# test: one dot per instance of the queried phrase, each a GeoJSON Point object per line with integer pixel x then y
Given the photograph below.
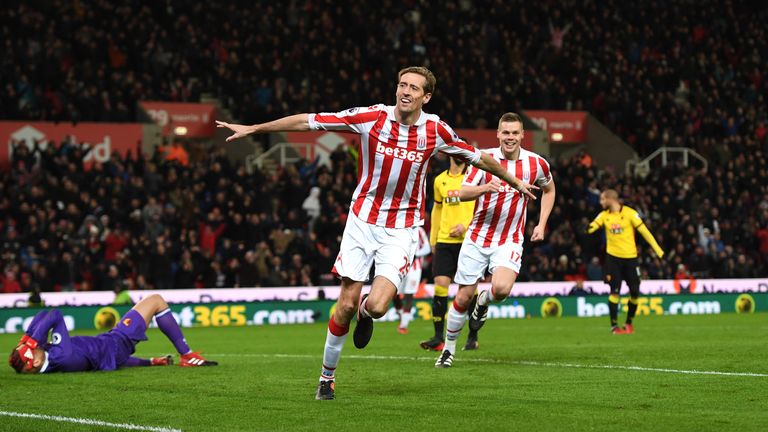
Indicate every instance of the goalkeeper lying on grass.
{"type": "Point", "coordinates": [107, 351]}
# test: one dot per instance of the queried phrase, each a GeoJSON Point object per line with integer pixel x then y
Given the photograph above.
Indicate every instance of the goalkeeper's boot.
{"type": "Point", "coordinates": [326, 390]}
{"type": "Point", "coordinates": [629, 329]}
{"type": "Point", "coordinates": [434, 344]}
{"type": "Point", "coordinates": [162, 361]}
{"type": "Point", "coordinates": [445, 360]}
{"type": "Point", "coordinates": [193, 359]}
{"type": "Point", "coordinates": [363, 329]}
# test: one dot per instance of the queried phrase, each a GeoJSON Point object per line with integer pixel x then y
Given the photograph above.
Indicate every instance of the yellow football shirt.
{"type": "Point", "coordinates": [620, 232]}
{"type": "Point", "coordinates": [449, 209]}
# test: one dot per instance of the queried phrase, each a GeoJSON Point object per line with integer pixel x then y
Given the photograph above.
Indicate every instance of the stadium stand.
{"type": "Point", "coordinates": [656, 74]}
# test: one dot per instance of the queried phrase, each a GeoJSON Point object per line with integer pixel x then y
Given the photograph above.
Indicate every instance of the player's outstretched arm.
{"type": "Point", "coordinates": [292, 123]}
{"type": "Point", "coordinates": [488, 163]}
{"type": "Point", "coordinates": [471, 193]}
{"type": "Point", "coordinates": [643, 230]}
{"type": "Point", "coordinates": [595, 224]}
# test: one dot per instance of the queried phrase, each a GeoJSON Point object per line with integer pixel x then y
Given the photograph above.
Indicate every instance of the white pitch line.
{"type": "Point", "coordinates": [516, 362]}
{"type": "Point", "coordinates": [89, 422]}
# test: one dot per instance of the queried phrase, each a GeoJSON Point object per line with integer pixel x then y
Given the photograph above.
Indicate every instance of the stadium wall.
{"type": "Point", "coordinates": [15, 320]}
{"type": "Point", "coordinates": [305, 293]}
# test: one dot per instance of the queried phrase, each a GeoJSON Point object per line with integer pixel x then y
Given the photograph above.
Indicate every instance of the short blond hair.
{"type": "Point", "coordinates": [429, 86]}
{"type": "Point", "coordinates": [611, 194]}
{"type": "Point", "coordinates": [510, 117]}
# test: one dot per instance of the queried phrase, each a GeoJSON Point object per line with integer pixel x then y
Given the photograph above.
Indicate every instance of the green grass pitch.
{"type": "Point", "coordinates": [537, 374]}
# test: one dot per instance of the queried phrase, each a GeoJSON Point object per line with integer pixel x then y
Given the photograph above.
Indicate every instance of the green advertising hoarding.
{"type": "Point", "coordinates": [14, 320]}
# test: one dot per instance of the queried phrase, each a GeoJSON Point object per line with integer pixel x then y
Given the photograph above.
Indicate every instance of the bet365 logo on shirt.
{"type": "Point", "coordinates": [452, 198]}
{"type": "Point", "coordinates": [400, 153]}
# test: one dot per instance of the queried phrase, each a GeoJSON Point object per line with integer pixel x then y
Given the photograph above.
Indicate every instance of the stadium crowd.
{"type": "Point", "coordinates": [656, 72]}
{"type": "Point", "coordinates": [137, 222]}
{"type": "Point", "coordinates": [661, 75]}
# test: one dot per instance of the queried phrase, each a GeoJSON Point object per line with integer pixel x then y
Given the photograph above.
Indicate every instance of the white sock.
{"type": "Point", "coordinates": [363, 312]}
{"type": "Point", "coordinates": [456, 321]}
{"type": "Point", "coordinates": [332, 352]}
{"type": "Point", "coordinates": [485, 298]}
{"type": "Point", "coordinates": [405, 319]}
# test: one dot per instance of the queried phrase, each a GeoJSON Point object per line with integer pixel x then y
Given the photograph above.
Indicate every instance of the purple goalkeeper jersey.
{"type": "Point", "coordinates": [105, 352]}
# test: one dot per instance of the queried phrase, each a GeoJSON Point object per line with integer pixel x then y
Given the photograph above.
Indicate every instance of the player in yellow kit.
{"type": "Point", "coordinates": [620, 223]}
{"type": "Point", "coordinates": [450, 219]}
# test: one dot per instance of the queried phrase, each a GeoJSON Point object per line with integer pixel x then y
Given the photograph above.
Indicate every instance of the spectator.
{"type": "Point", "coordinates": [311, 205]}
{"type": "Point", "coordinates": [161, 268]}
{"type": "Point", "coordinates": [249, 271]}
{"type": "Point", "coordinates": [579, 290]}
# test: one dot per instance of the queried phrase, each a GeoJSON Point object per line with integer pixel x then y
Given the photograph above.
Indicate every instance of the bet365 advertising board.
{"type": "Point", "coordinates": [15, 320]}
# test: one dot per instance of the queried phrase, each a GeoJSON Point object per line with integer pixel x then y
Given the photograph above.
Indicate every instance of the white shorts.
{"type": "Point", "coordinates": [363, 244]}
{"type": "Point", "coordinates": [410, 283]}
{"type": "Point", "coordinates": [475, 259]}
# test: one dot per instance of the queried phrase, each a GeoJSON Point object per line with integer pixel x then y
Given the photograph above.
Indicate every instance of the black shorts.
{"type": "Point", "coordinates": [446, 259]}
{"type": "Point", "coordinates": [621, 269]}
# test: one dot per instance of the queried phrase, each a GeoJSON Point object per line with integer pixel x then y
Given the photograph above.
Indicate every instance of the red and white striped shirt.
{"type": "Point", "coordinates": [393, 160]}
{"type": "Point", "coordinates": [500, 216]}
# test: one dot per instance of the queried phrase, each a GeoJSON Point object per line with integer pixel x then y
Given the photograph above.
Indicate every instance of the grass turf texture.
{"type": "Point", "coordinates": [523, 377]}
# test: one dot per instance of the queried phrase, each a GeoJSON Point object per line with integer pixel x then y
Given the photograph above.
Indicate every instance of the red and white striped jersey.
{"type": "Point", "coordinates": [393, 160]}
{"type": "Point", "coordinates": [500, 217]}
{"type": "Point", "coordinates": [422, 250]}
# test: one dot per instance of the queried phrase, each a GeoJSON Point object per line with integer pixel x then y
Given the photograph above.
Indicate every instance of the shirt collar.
{"type": "Point", "coordinates": [519, 154]}
{"type": "Point", "coordinates": [391, 116]}
{"type": "Point", "coordinates": [45, 364]}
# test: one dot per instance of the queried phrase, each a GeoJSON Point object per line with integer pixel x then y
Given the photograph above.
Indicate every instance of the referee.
{"type": "Point", "coordinates": [450, 219]}
{"type": "Point", "coordinates": [621, 263]}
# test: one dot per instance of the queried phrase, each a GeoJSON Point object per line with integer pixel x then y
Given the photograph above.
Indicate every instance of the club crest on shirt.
{"type": "Point", "coordinates": [421, 143]}
{"type": "Point", "coordinates": [127, 322]}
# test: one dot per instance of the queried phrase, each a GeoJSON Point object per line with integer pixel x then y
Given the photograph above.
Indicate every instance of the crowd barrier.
{"type": "Point", "coordinates": [261, 313]}
{"type": "Point", "coordinates": [521, 289]}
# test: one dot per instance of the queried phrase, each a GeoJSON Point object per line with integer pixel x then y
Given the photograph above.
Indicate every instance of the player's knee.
{"type": "Point", "coordinates": [377, 307]}
{"type": "Point", "coordinates": [464, 298]}
{"type": "Point", "coordinates": [345, 310]}
{"type": "Point", "coordinates": [158, 301]}
{"type": "Point", "coordinates": [500, 292]}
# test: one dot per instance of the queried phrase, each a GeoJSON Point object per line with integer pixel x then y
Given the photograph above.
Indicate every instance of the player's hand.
{"type": "Point", "coordinates": [494, 186]}
{"type": "Point", "coordinates": [28, 341]}
{"type": "Point", "coordinates": [527, 190]}
{"type": "Point", "coordinates": [238, 129]}
{"type": "Point", "coordinates": [458, 230]}
{"type": "Point", "coordinates": [538, 233]}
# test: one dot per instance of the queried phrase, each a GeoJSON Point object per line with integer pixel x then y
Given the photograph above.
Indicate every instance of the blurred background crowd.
{"type": "Point", "coordinates": [656, 73]}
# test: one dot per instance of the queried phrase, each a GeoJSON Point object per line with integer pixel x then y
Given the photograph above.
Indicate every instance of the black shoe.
{"type": "Point", "coordinates": [445, 360]}
{"type": "Point", "coordinates": [479, 315]}
{"type": "Point", "coordinates": [472, 344]}
{"type": "Point", "coordinates": [325, 391]}
{"type": "Point", "coordinates": [434, 344]}
{"type": "Point", "coordinates": [363, 329]}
